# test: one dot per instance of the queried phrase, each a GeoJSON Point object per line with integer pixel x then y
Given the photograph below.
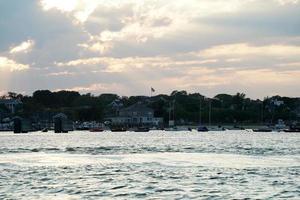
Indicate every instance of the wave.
{"type": "Point", "coordinates": [108, 150]}
{"type": "Point", "coordinates": [166, 159]}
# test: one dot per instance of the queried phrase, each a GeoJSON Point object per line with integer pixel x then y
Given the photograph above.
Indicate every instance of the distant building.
{"type": "Point", "coordinates": [136, 115]}
{"type": "Point", "coordinates": [2, 115]}
{"type": "Point", "coordinates": [114, 107]}
{"type": "Point", "coordinates": [297, 111]}
{"type": "Point", "coordinates": [276, 102]}
{"type": "Point", "coordinates": [11, 104]}
{"type": "Point", "coordinates": [116, 104]}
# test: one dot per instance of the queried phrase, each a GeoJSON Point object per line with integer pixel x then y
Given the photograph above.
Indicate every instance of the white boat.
{"type": "Point", "coordinates": [219, 128]}
{"type": "Point", "coordinates": [175, 128]}
{"type": "Point", "coordinates": [280, 126]}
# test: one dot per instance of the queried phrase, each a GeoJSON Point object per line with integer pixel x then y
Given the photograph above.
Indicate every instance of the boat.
{"type": "Point", "coordinates": [262, 130]}
{"type": "Point", "coordinates": [202, 129]}
{"type": "Point", "coordinates": [219, 128]}
{"type": "Point", "coordinates": [295, 128]}
{"type": "Point", "coordinates": [170, 129]}
{"type": "Point", "coordinates": [280, 125]}
{"type": "Point", "coordinates": [44, 130]}
{"type": "Point", "coordinates": [118, 129]}
{"type": "Point", "coordinates": [142, 129]}
{"type": "Point", "coordinates": [81, 128]}
{"type": "Point", "coordinates": [235, 127]}
{"type": "Point", "coordinates": [94, 130]}
{"type": "Point", "coordinates": [175, 128]}
{"type": "Point", "coordinates": [292, 130]}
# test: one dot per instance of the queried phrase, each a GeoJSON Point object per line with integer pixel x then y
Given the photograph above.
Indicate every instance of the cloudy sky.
{"type": "Point", "coordinates": [128, 46]}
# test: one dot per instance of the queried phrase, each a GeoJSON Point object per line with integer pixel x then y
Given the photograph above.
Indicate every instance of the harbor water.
{"type": "Point", "coordinates": [153, 165]}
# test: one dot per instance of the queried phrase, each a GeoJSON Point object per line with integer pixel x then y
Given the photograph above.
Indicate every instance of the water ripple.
{"type": "Point", "coordinates": [156, 165]}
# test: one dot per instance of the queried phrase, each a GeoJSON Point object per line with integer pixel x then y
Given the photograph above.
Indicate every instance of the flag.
{"type": "Point", "coordinates": [152, 90]}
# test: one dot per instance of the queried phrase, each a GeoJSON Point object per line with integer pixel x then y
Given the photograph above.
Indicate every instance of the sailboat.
{"type": "Point", "coordinates": [172, 125]}
{"type": "Point", "coordinates": [200, 127]}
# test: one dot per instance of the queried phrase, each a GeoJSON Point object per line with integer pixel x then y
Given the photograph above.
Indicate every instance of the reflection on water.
{"type": "Point", "coordinates": [164, 159]}
{"type": "Point", "coordinates": [155, 165]}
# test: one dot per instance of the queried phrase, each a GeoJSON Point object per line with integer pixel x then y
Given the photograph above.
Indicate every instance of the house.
{"type": "Point", "coordinates": [11, 104]}
{"type": "Point", "coordinates": [116, 104]}
{"type": "Point", "coordinates": [277, 103]}
{"type": "Point", "coordinates": [114, 107]}
{"type": "Point", "coordinates": [136, 115]}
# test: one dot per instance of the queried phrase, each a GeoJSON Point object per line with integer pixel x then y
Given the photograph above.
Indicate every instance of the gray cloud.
{"type": "Point", "coordinates": [128, 46]}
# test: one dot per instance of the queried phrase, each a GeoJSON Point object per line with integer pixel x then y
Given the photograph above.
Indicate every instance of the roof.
{"type": "Point", "coordinates": [138, 107]}
{"type": "Point", "coordinates": [60, 115]}
{"type": "Point", "coordinates": [116, 102]}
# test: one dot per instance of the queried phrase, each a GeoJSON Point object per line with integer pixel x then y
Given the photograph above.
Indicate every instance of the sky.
{"type": "Point", "coordinates": [128, 46]}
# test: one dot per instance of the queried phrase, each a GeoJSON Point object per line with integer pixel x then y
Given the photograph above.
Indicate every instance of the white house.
{"type": "Point", "coordinates": [137, 114]}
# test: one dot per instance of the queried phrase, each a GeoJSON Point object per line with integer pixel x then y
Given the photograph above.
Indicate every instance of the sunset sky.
{"type": "Point", "coordinates": [128, 46]}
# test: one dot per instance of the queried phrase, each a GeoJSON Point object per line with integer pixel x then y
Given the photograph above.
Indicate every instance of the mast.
{"type": "Point", "coordinates": [169, 112]}
{"type": "Point", "coordinates": [262, 112]}
{"type": "Point", "coordinates": [209, 114]}
{"type": "Point", "coordinates": [200, 111]}
{"type": "Point", "coordinates": [174, 111]}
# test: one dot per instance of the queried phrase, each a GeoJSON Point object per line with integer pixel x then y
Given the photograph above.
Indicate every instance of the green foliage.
{"type": "Point", "coordinates": [183, 106]}
{"type": "Point", "coordinates": [4, 109]}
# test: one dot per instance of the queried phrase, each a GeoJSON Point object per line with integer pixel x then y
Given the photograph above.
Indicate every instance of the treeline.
{"type": "Point", "coordinates": [179, 105]}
